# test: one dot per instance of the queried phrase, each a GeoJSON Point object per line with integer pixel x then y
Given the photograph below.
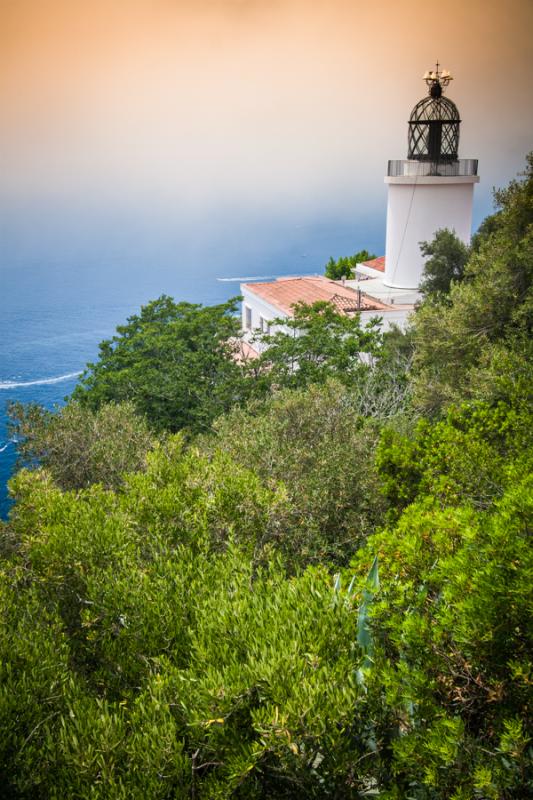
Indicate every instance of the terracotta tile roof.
{"type": "Point", "coordinates": [349, 304]}
{"type": "Point", "coordinates": [375, 263]}
{"type": "Point", "coordinates": [284, 293]}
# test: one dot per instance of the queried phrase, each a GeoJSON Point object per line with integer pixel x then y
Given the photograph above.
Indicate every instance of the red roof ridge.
{"type": "Point", "coordinates": [375, 263]}
{"type": "Point", "coordinates": [286, 293]}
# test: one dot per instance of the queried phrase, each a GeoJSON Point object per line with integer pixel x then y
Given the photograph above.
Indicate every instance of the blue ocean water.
{"type": "Point", "coordinates": [61, 297]}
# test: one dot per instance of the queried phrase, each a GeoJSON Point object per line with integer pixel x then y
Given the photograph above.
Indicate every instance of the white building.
{"type": "Point", "coordinates": [265, 302]}
{"type": "Point", "coordinates": [429, 190]}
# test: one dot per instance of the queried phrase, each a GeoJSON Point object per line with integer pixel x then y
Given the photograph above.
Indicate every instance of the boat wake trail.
{"type": "Point", "coordinates": [21, 384]}
{"type": "Point", "coordinates": [246, 278]}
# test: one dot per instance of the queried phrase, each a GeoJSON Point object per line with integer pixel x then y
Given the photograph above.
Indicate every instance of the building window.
{"type": "Point", "coordinates": [264, 324]}
{"type": "Point", "coordinates": [248, 318]}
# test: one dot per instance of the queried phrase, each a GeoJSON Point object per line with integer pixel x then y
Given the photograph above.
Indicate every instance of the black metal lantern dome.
{"type": "Point", "coordinates": [434, 123]}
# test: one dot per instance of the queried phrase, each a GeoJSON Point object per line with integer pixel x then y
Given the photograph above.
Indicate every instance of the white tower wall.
{"type": "Point", "coordinates": [417, 207]}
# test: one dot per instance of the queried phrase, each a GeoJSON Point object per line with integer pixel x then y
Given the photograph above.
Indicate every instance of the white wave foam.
{"type": "Point", "coordinates": [13, 440]}
{"type": "Point", "coordinates": [22, 384]}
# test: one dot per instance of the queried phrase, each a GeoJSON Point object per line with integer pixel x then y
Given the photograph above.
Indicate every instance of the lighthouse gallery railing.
{"type": "Point", "coordinates": [446, 169]}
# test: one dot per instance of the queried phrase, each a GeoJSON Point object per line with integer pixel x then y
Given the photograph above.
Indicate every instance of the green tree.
{"type": "Point", "coordinates": [315, 344]}
{"type": "Point", "coordinates": [173, 361]}
{"type": "Point", "coordinates": [344, 267]}
{"type": "Point", "coordinates": [451, 662]}
{"type": "Point", "coordinates": [80, 446]}
{"type": "Point", "coordinates": [463, 458]}
{"type": "Point", "coordinates": [446, 256]}
{"type": "Point", "coordinates": [458, 345]}
{"type": "Point", "coordinates": [314, 445]}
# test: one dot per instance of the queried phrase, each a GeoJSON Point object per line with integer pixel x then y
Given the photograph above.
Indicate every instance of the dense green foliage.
{"type": "Point", "coordinates": [315, 344]}
{"type": "Point", "coordinates": [173, 361]}
{"type": "Point", "coordinates": [316, 445]}
{"type": "Point", "coordinates": [175, 364]}
{"type": "Point", "coordinates": [465, 458]}
{"type": "Point", "coordinates": [345, 265]}
{"type": "Point", "coordinates": [487, 317]}
{"type": "Point", "coordinates": [326, 594]}
{"type": "Point", "coordinates": [80, 446]}
{"type": "Point", "coordinates": [154, 648]}
{"type": "Point", "coordinates": [452, 661]}
{"type": "Point", "coordinates": [446, 257]}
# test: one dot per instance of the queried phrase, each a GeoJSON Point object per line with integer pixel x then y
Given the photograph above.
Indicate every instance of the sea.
{"type": "Point", "coordinates": [59, 300]}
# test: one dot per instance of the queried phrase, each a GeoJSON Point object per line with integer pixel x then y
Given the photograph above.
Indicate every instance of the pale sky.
{"type": "Point", "coordinates": [181, 109]}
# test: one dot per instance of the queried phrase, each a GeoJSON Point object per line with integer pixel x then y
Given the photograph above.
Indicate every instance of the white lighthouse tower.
{"type": "Point", "coordinates": [429, 190]}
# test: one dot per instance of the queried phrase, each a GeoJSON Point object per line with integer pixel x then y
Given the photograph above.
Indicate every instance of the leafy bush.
{"type": "Point", "coordinates": [80, 446]}
{"type": "Point", "coordinates": [315, 344]}
{"type": "Point", "coordinates": [182, 668]}
{"type": "Point", "coordinates": [465, 458]}
{"type": "Point", "coordinates": [344, 266]}
{"type": "Point", "coordinates": [446, 256]}
{"type": "Point", "coordinates": [316, 444]}
{"type": "Point", "coordinates": [452, 647]}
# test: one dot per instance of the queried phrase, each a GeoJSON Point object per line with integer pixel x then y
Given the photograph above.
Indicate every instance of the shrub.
{"type": "Point", "coordinates": [80, 446]}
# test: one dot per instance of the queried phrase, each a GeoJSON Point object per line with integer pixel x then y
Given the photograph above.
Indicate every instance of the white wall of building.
{"type": "Point", "coordinates": [417, 208]}
{"type": "Point", "coordinates": [259, 310]}
{"type": "Point", "coordinates": [262, 309]}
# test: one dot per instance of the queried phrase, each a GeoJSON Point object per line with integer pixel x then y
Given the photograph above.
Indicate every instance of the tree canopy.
{"type": "Point", "coordinates": [314, 344]}
{"type": "Point", "coordinates": [446, 257]}
{"type": "Point", "coordinates": [154, 644]}
{"type": "Point", "coordinates": [173, 361]}
{"type": "Point", "coordinates": [486, 319]}
{"type": "Point", "coordinates": [345, 265]}
{"type": "Point", "coordinates": [313, 442]}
